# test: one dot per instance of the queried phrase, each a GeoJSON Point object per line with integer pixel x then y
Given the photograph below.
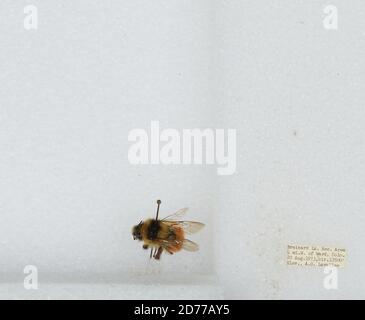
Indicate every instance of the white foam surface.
{"type": "Point", "coordinates": [73, 89]}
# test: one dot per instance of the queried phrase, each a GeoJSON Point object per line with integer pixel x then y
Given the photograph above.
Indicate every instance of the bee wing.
{"type": "Point", "coordinates": [187, 245]}
{"type": "Point", "coordinates": [178, 214]}
{"type": "Point", "coordinates": [188, 226]}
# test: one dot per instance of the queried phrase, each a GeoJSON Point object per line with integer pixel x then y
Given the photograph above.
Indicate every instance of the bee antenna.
{"type": "Point", "coordinates": [158, 208]}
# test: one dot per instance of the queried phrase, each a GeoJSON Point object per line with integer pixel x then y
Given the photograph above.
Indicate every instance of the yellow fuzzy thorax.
{"type": "Point", "coordinates": [163, 232]}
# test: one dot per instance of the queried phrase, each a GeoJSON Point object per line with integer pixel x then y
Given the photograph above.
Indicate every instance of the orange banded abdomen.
{"type": "Point", "coordinates": [179, 236]}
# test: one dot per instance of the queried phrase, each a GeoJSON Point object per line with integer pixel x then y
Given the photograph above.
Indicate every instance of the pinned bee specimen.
{"type": "Point", "coordinates": [167, 234]}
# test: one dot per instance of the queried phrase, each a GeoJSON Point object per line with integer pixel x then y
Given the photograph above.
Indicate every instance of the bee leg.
{"type": "Point", "coordinates": [154, 253]}
{"type": "Point", "coordinates": [158, 254]}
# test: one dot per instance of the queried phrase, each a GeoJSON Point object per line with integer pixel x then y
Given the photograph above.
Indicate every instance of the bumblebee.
{"type": "Point", "coordinates": [167, 234]}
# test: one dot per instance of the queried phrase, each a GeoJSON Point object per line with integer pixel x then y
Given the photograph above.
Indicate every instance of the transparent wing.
{"type": "Point", "coordinates": [177, 215]}
{"type": "Point", "coordinates": [189, 227]}
{"type": "Point", "coordinates": [187, 245]}
{"type": "Point", "coordinates": [190, 245]}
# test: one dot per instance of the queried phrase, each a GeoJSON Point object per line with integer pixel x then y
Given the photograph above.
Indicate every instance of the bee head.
{"type": "Point", "coordinates": [136, 231]}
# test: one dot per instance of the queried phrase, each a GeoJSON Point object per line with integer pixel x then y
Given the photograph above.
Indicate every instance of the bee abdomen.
{"type": "Point", "coordinates": [171, 235]}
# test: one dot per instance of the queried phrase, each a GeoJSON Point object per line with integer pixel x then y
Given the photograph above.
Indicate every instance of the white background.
{"type": "Point", "coordinates": [71, 91]}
